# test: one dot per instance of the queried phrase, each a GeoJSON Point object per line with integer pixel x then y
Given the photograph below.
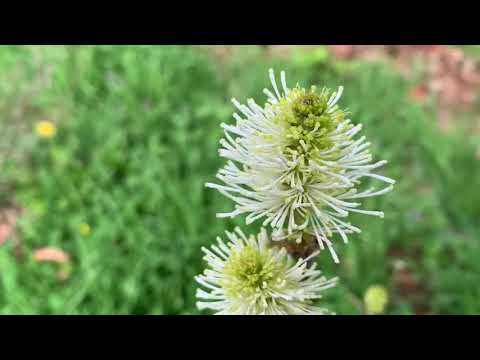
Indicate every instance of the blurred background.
{"type": "Point", "coordinates": [104, 152]}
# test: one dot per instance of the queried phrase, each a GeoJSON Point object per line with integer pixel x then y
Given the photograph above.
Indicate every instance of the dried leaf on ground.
{"type": "Point", "coordinates": [51, 254]}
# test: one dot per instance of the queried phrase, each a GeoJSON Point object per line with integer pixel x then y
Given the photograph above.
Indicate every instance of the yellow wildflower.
{"type": "Point", "coordinates": [85, 229]}
{"type": "Point", "coordinates": [45, 129]}
{"type": "Point", "coordinates": [376, 299]}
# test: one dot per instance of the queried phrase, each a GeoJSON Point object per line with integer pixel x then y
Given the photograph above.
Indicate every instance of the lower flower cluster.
{"type": "Point", "coordinates": [248, 276]}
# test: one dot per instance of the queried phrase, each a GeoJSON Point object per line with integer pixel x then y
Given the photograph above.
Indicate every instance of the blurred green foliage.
{"type": "Point", "coordinates": [137, 138]}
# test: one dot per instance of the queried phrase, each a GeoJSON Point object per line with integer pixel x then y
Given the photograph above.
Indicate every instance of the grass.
{"type": "Point", "coordinates": [138, 131]}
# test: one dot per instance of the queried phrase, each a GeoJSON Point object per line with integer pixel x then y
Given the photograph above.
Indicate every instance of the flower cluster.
{"type": "Point", "coordinates": [247, 277]}
{"type": "Point", "coordinates": [297, 165]}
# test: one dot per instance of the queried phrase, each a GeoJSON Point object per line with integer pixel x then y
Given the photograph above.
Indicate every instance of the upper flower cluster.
{"type": "Point", "coordinates": [296, 164]}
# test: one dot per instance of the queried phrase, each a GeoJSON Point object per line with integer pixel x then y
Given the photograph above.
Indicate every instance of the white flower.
{"type": "Point", "coordinates": [296, 164]}
{"type": "Point", "coordinates": [246, 277]}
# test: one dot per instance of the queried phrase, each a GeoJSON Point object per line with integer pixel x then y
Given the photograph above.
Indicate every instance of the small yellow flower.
{"type": "Point", "coordinates": [85, 229]}
{"type": "Point", "coordinates": [45, 129]}
{"type": "Point", "coordinates": [376, 299]}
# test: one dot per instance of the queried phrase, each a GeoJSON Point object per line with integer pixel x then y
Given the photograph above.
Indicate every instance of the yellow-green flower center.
{"type": "Point", "coordinates": [249, 270]}
{"type": "Point", "coordinates": [310, 125]}
{"type": "Point", "coordinates": [309, 120]}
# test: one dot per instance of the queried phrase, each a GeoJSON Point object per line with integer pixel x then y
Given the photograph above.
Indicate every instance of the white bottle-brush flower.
{"type": "Point", "coordinates": [295, 163]}
{"type": "Point", "coordinates": [247, 276]}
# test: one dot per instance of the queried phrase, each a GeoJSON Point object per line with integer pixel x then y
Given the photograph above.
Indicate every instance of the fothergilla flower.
{"type": "Point", "coordinates": [296, 164]}
{"type": "Point", "coordinates": [247, 276]}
